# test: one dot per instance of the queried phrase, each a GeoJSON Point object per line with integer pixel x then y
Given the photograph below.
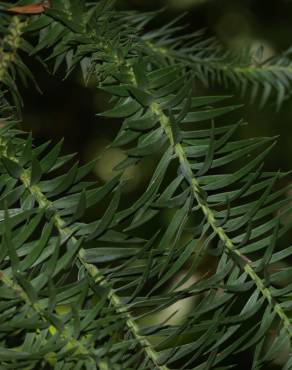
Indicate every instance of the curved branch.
{"type": "Point", "coordinates": [93, 272]}
{"type": "Point", "coordinates": [209, 214]}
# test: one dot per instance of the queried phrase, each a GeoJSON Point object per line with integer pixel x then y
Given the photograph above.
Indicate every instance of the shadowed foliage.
{"type": "Point", "coordinates": [102, 294]}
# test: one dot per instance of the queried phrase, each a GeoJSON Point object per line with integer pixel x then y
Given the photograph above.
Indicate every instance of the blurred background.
{"type": "Point", "coordinates": [68, 108]}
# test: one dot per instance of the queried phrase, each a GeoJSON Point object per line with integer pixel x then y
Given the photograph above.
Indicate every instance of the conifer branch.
{"type": "Point", "coordinates": [210, 217]}
{"type": "Point", "coordinates": [94, 273]}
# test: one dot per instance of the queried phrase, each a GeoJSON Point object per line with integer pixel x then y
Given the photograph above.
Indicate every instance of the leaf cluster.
{"type": "Point", "coordinates": [78, 295]}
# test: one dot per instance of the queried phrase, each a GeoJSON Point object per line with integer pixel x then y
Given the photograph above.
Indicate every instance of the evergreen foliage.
{"type": "Point", "coordinates": [75, 295]}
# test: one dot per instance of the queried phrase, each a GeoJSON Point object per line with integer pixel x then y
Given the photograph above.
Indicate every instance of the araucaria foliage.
{"type": "Point", "coordinates": [77, 295]}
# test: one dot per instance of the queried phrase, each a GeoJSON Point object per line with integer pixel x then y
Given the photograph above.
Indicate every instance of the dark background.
{"type": "Point", "coordinates": [67, 108]}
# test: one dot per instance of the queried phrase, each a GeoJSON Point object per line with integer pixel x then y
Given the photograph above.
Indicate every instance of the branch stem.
{"type": "Point", "coordinates": [210, 216]}
{"type": "Point", "coordinates": [93, 272]}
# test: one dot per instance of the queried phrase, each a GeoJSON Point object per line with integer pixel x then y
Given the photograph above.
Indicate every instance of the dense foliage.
{"type": "Point", "coordinates": [79, 295]}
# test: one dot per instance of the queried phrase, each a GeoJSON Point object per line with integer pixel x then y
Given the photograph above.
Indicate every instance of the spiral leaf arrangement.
{"type": "Point", "coordinates": [78, 295]}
